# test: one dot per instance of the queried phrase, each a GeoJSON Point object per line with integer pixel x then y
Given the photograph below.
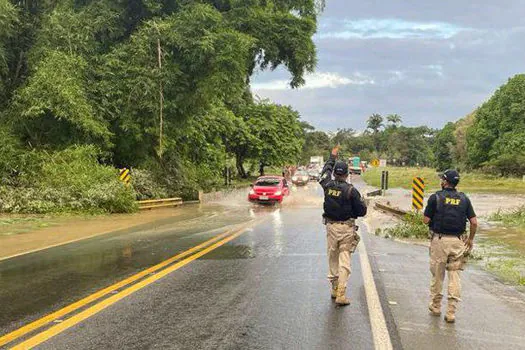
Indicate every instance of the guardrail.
{"type": "Point", "coordinates": [159, 203]}
{"type": "Point", "coordinates": [395, 211]}
{"type": "Point", "coordinates": [375, 193]}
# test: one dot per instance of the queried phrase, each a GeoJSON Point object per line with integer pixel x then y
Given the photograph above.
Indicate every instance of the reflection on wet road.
{"type": "Point", "coordinates": [266, 289]}
{"type": "Point", "coordinates": [37, 283]}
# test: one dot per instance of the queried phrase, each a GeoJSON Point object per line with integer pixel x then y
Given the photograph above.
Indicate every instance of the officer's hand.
{"type": "Point", "coordinates": [469, 244]}
{"type": "Point", "coordinates": [335, 150]}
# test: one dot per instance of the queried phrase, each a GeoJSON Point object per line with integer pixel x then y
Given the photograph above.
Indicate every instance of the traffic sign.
{"type": "Point", "coordinates": [374, 163]}
{"type": "Point", "coordinates": [125, 175]}
{"type": "Point", "coordinates": [418, 193]}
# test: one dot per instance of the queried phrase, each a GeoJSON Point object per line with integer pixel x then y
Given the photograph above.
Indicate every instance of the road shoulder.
{"type": "Point", "coordinates": [77, 229]}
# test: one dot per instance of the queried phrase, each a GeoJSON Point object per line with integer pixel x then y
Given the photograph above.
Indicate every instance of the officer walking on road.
{"type": "Point", "coordinates": [342, 205]}
{"type": "Point", "coordinates": [447, 213]}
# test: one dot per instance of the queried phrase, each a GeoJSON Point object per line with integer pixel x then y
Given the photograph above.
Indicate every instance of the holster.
{"type": "Point", "coordinates": [355, 242]}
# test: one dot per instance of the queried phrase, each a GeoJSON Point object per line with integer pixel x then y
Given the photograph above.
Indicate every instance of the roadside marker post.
{"type": "Point", "coordinates": [125, 175]}
{"type": "Point", "coordinates": [418, 193]}
{"type": "Point", "coordinates": [384, 181]}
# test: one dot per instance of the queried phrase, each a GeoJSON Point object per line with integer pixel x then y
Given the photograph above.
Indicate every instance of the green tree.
{"type": "Point", "coordinates": [54, 109]}
{"type": "Point", "coordinates": [278, 131]}
{"type": "Point", "coordinates": [162, 85]}
{"type": "Point", "coordinates": [444, 147]}
{"type": "Point", "coordinates": [498, 132]}
{"type": "Point", "coordinates": [8, 21]}
{"type": "Point", "coordinates": [375, 123]}
{"type": "Point", "coordinates": [317, 143]}
{"type": "Point", "coordinates": [460, 135]}
{"type": "Point", "coordinates": [283, 30]}
{"type": "Point", "coordinates": [343, 136]}
{"type": "Point", "coordinates": [394, 119]}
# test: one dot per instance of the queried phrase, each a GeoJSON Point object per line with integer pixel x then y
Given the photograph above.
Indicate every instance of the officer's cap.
{"type": "Point", "coordinates": [451, 176]}
{"type": "Point", "coordinates": [341, 168]}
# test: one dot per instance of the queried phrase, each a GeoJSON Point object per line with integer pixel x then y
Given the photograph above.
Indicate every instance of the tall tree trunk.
{"type": "Point", "coordinates": [239, 160]}
{"type": "Point", "coordinates": [161, 101]}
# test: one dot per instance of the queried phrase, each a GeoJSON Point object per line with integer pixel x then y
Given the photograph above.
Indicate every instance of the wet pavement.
{"type": "Point", "coordinates": [491, 315]}
{"type": "Point", "coordinates": [37, 283]}
{"type": "Point", "coordinates": [265, 289]}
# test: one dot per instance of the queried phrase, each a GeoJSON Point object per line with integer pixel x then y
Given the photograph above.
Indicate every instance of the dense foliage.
{"type": "Point", "coordinates": [400, 145]}
{"type": "Point", "coordinates": [156, 85]}
{"type": "Point", "coordinates": [491, 139]}
{"type": "Point", "coordinates": [497, 138]}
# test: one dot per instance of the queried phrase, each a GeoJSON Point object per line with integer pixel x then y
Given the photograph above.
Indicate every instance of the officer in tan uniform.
{"type": "Point", "coordinates": [342, 205]}
{"type": "Point", "coordinates": [447, 213]}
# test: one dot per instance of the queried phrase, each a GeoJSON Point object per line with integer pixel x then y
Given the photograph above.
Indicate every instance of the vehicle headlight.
{"type": "Point", "coordinates": [278, 193]}
{"type": "Point", "coordinates": [252, 192]}
{"type": "Point", "coordinates": [294, 178]}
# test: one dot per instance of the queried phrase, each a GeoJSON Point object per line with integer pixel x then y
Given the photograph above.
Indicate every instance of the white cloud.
{"type": "Point", "coordinates": [317, 81]}
{"type": "Point", "coordinates": [436, 69]}
{"type": "Point", "coordinates": [394, 77]}
{"type": "Point", "coordinates": [393, 29]}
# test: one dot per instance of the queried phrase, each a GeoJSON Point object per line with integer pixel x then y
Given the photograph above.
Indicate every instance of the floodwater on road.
{"type": "Point", "coordinates": [34, 284]}
{"type": "Point", "coordinates": [502, 250]}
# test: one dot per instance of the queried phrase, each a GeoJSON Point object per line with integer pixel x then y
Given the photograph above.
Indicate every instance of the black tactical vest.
{"type": "Point", "coordinates": [337, 205]}
{"type": "Point", "coordinates": [451, 213]}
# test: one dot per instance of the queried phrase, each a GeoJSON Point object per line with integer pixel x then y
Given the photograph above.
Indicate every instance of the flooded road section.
{"type": "Point", "coordinates": [502, 250]}
{"type": "Point", "coordinates": [36, 284]}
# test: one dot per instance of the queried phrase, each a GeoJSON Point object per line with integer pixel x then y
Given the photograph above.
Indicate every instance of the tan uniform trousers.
{"type": "Point", "coordinates": [342, 240]}
{"type": "Point", "coordinates": [446, 253]}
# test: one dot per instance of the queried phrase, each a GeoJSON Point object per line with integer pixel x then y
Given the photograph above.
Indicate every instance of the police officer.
{"type": "Point", "coordinates": [342, 205]}
{"type": "Point", "coordinates": [447, 213]}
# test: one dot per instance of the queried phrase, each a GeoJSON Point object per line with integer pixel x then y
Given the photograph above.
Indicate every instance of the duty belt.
{"type": "Point", "coordinates": [446, 234]}
{"type": "Point", "coordinates": [346, 222]}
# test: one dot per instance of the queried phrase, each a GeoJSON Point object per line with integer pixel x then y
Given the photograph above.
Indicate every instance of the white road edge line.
{"type": "Point", "coordinates": [380, 333]}
{"type": "Point", "coordinates": [58, 244]}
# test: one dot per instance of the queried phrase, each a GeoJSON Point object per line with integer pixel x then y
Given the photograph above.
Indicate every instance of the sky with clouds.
{"type": "Point", "coordinates": [429, 61]}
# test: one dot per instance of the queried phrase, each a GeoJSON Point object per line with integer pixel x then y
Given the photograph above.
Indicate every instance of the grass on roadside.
{"type": "Point", "coordinates": [470, 182]}
{"type": "Point", "coordinates": [500, 258]}
{"type": "Point", "coordinates": [510, 270]}
{"type": "Point", "coordinates": [494, 256]}
{"type": "Point", "coordinates": [14, 224]}
{"type": "Point", "coordinates": [512, 218]}
{"type": "Point", "coordinates": [411, 226]}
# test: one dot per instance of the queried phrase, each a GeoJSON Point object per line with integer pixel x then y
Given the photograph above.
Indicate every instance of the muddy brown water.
{"type": "Point", "coordinates": [513, 237]}
{"type": "Point", "coordinates": [35, 284]}
{"type": "Point", "coordinates": [501, 250]}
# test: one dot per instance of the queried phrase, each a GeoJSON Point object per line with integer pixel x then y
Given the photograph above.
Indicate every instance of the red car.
{"type": "Point", "coordinates": [269, 189]}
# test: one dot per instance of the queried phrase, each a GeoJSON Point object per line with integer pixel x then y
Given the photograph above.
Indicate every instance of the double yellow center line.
{"type": "Point", "coordinates": [162, 269]}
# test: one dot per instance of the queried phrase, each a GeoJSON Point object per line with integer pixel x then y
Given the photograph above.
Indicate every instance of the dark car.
{"type": "Point", "coordinates": [301, 178]}
{"type": "Point", "coordinates": [315, 174]}
{"type": "Point", "coordinates": [269, 189]}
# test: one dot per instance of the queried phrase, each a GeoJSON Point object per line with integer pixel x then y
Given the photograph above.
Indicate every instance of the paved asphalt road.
{"type": "Point", "coordinates": [264, 287]}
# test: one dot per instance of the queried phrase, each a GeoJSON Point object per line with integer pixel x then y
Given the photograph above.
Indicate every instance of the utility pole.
{"type": "Point", "coordinates": [161, 98]}
{"type": "Point", "coordinates": [161, 92]}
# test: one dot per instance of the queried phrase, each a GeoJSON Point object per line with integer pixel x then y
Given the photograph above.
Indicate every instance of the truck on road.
{"type": "Point", "coordinates": [316, 161]}
{"type": "Point", "coordinates": [354, 165]}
